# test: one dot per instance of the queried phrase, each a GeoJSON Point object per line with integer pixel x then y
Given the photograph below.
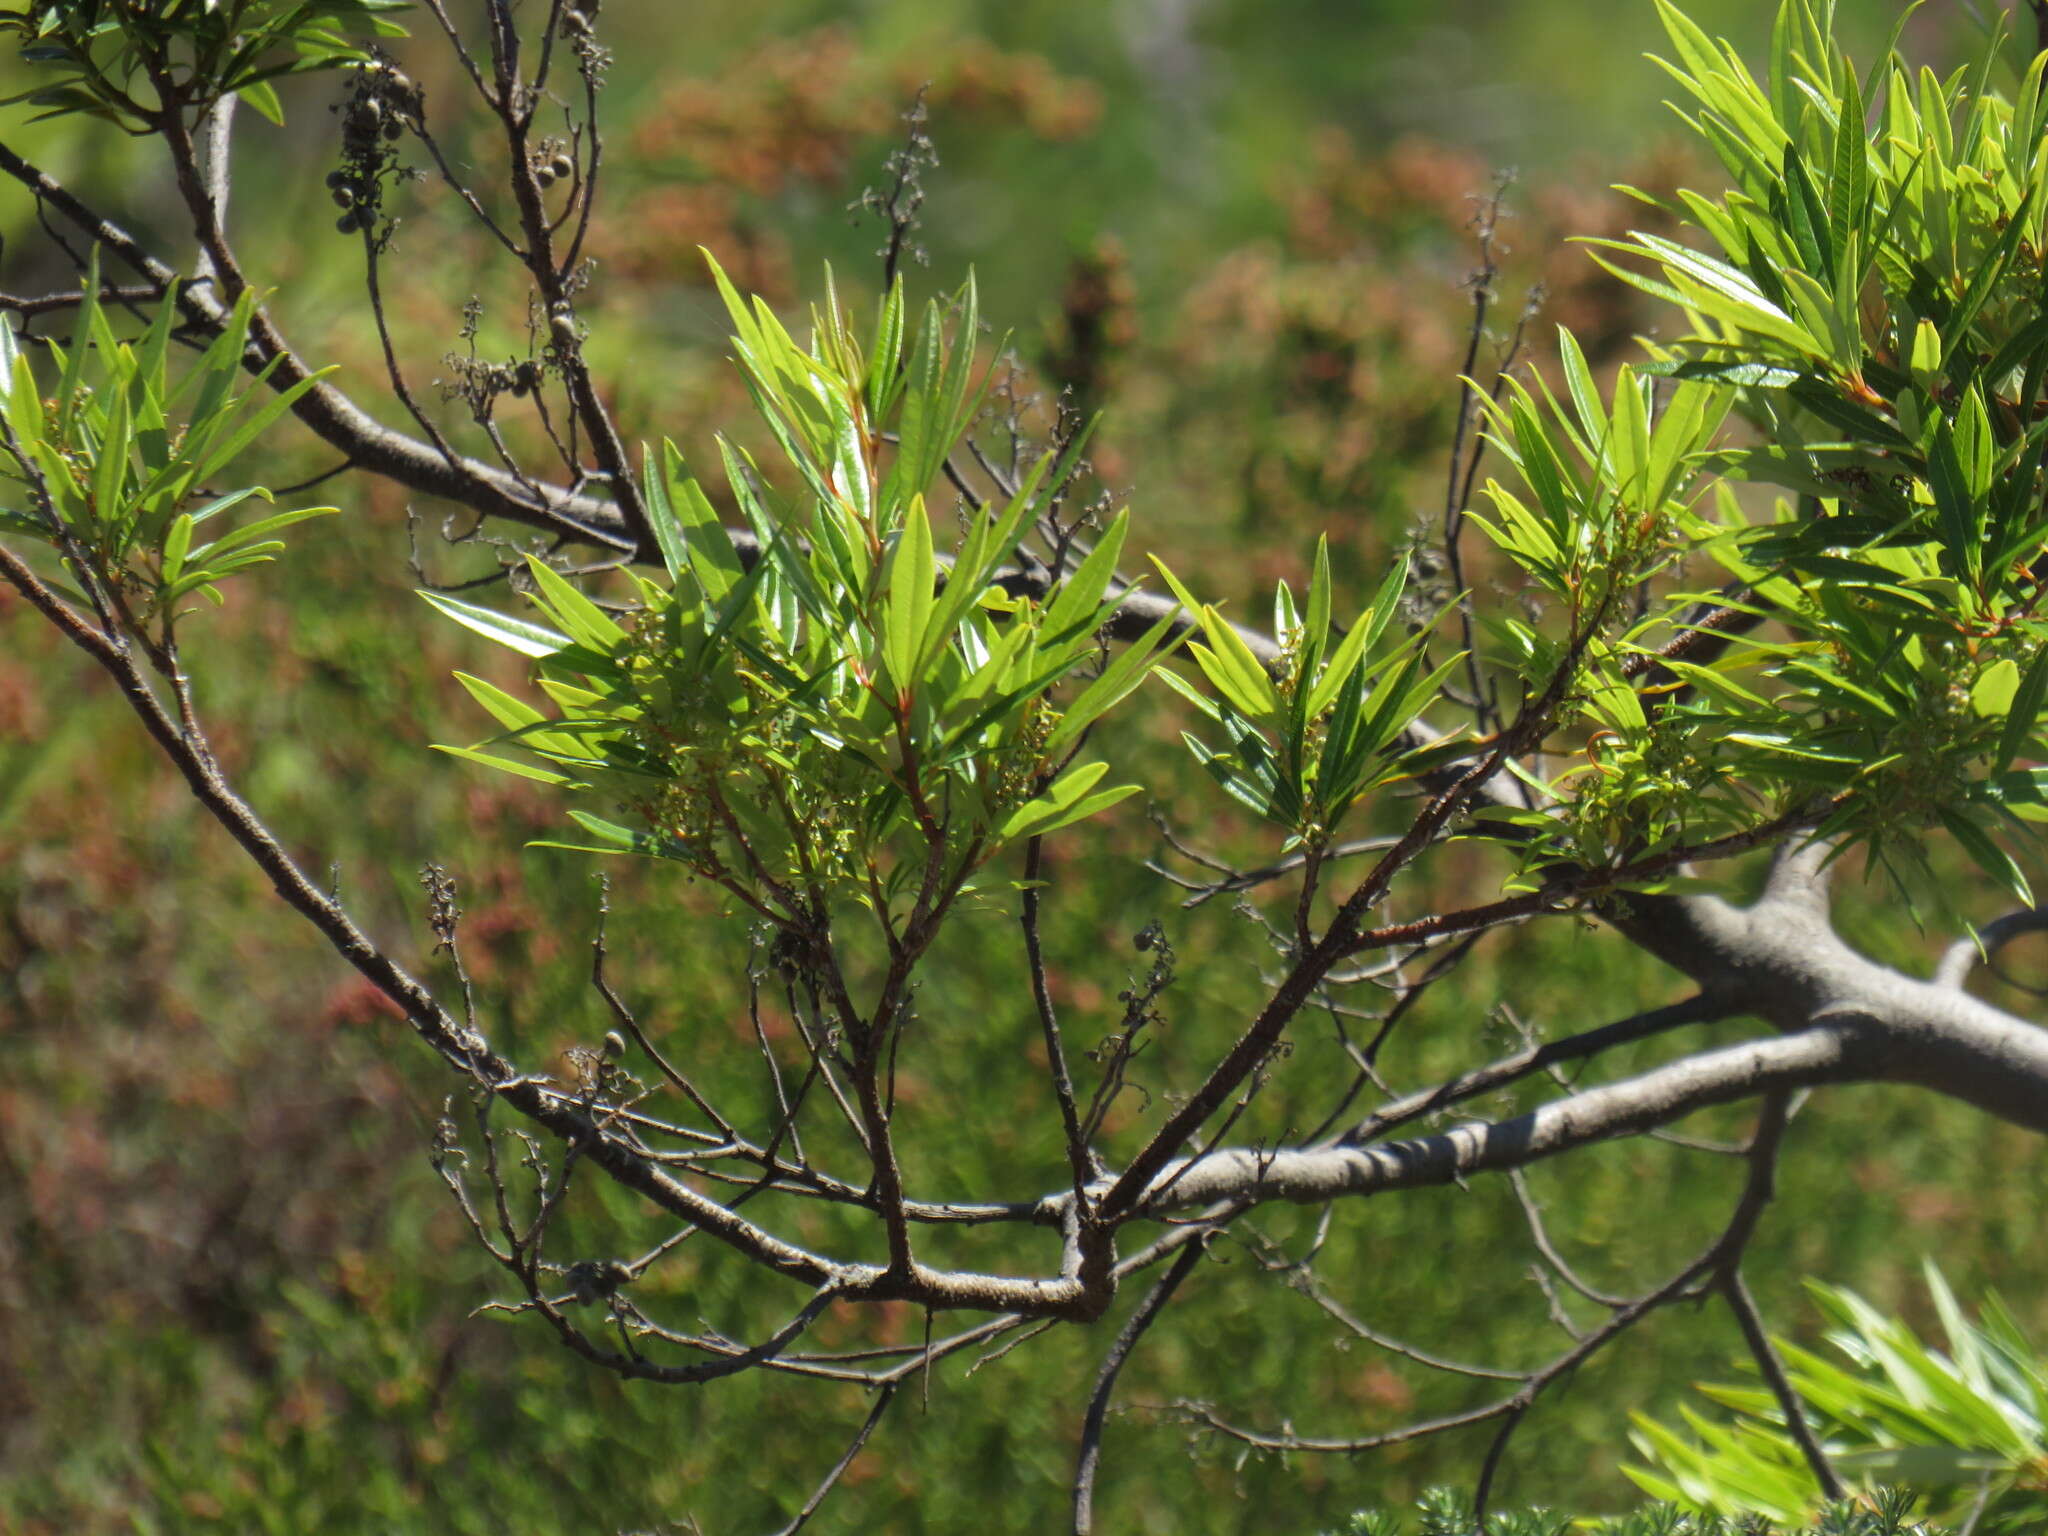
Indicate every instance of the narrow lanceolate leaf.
{"type": "Point", "coordinates": [958, 407]}
{"type": "Point", "coordinates": [1315, 620]}
{"type": "Point", "coordinates": [1065, 801]}
{"type": "Point", "coordinates": [1630, 443]}
{"type": "Point", "coordinates": [1363, 637]}
{"type": "Point", "coordinates": [921, 425]}
{"type": "Point", "coordinates": [1805, 220]}
{"type": "Point", "coordinates": [1071, 615]}
{"type": "Point", "coordinates": [505, 764]}
{"type": "Point", "coordinates": [1986, 853]}
{"type": "Point", "coordinates": [907, 603]}
{"type": "Point", "coordinates": [1234, 671]}
{"type": "Point", "coordinates": [8, 353]}
{"type": "Point", "coordinates": [263, 527]}
{"type": "Point", "coordinates": [266, 415]}
{"type": "Point", "coordinates": [1585, 394]}
{"type": "Point", "coordinates": [740, 600]}
{"type": "Point", "coordinates": [515, 634]}
{"type": "Point", "coordinates": [610, 837]}
{"type": "Point", "coordinates": [885, 359]}
{"type": "Point", "coordinates": [81, 340]}
{"type": "Point", "coordinates": [1717, 289]}
{"type": "Point", "coordinates": [109, 479]}
{"type": "Point", "coordinates": [2025, 786]}
{"type": "Point", "coordinates": [1541, 468]}
{"type": "Point", "coordinates": [528, 725]}
{"type": "Point", "coordinates": [177, 543]}
{"type": "Point", "coordinates": [1958, 520]}
{"type": "Point", "coordinates": [989, 546]}
{"type": "Point", "coordinates": [1846, 182]}
{"type": "Point", "coordinates": [661, 512]}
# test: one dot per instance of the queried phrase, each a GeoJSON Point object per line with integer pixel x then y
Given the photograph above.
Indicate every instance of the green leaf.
{"type": "Point", "coordinates": [109, 477]}
{"type": "Point", "coordinates": [1985, 852]}
{"type": "Point", "coordinates": [1717, 288]}
{"type": "Point", "coordinates": [1064, 801]}
{"type": "Point", "coordinates": [740, 600]}
{"type": "Point", "coordinates": [909, 597]}
{"type": "Point", "coordinates": [1846, 182]}
{"type": "Point", "coordinates": [919, 434]}
{"type": "Point", "coordinates": [1959, 516]}
{"type": "Point", "coordinates": [263, 99]}
{"type": "Point", "coordinates": [528, 725]}
{"type": "Point", "coordinates": [610, 837]}
{"type": "Point", "coordinates": [1926, 359]}
{"type": "Point", "coordinates": [177, 542]}
{"type": "Point", "coordinates": [10, 351]}
{"type": "Point", "coordinates": [262, 528]}
{"type": "Point", "coordinates": [661, 513]}
{"type": "Point", "coordinates": [81, 339]}
{"type": "Point", "coordinates": [1080, 594]}
{"type": "Point", "coordinates": [1991, 697]}
{"type": "Point", "coordinates": [257, 425]}
{"type": "Point", "coordinates": [885, 357]}
{"type": "Point", "coordinates": [505, 764]}
{"type": "Point", "coordinates": [515, 634]}
{"type": "Point", "coordinates": [988, 546]}
{"type": "Point", "coordinates": [1234, 672]}
{"type": "Point", "coordinates": [1364, 634]}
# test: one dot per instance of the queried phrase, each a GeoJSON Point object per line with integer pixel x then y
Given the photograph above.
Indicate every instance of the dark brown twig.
{"type": "Point", "coordinates": [1089, 1462]}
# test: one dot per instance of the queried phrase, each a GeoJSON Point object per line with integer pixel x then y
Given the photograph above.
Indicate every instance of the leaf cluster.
{"type": "Point", "coordinates": [108, 466]}
{"type": "Point", "coordinates": [849, 707]}
{"type": "Point", "coordinates": [1963, 1427]}
{"type": "Point", "coordinates": [1868, 306]}
{"type": "Point", "coordinates": [1307, 742]}
{"type": "Point", "coordinates": [131, 61]}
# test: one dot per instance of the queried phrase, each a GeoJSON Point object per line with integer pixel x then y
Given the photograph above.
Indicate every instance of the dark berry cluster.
{"type": "Point", "coordinates": [380, 105]}
{"type": "Point", "coordinates": [553, 164]}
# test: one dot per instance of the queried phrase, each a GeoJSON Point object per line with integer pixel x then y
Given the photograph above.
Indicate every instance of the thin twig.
{"type": "Point", "coordinates": [1090, 1460]}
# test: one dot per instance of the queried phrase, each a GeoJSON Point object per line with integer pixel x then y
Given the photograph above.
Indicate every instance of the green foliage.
{"type": "Point", "coordinates": [130, 63]}
{"type": "Point", "coordinates": [1446, 1512]}
{"type": "Point", "coordinates": [1965, 1427]}
{"type": "Point", "coordinates": [836, 716]}
{"type": "Point", "coordinates": [1612, 485]}
{"type": "Point", "coordinates": [123, 447]}
{"type": "Point", "coordinates": [1308, 741]}
{"type": "Point", "coordinates": [1869, 307]}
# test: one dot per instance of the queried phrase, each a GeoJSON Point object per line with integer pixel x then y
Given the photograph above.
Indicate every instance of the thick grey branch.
{"type": "Point", "coordinates": [1837, 1052]}
{"type": "Point", "coordinates": [1864, 1024]}
{"type": "Point", "coordinates": [1964, 955]}
{"type": "Point", "coordinates": [1800, 874]}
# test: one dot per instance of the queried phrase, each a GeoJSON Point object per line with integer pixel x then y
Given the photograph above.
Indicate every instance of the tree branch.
{"type": "Point", "coordinates": [1828, 1053]}
{"type": "Point", "coordinates": [1105, 1382]}
{"type": "Point", "coordinates": [1983, 946]}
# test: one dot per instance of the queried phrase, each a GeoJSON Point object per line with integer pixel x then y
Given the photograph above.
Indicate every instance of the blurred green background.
{"type": "Point", "coordinates": [232, 1294]}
